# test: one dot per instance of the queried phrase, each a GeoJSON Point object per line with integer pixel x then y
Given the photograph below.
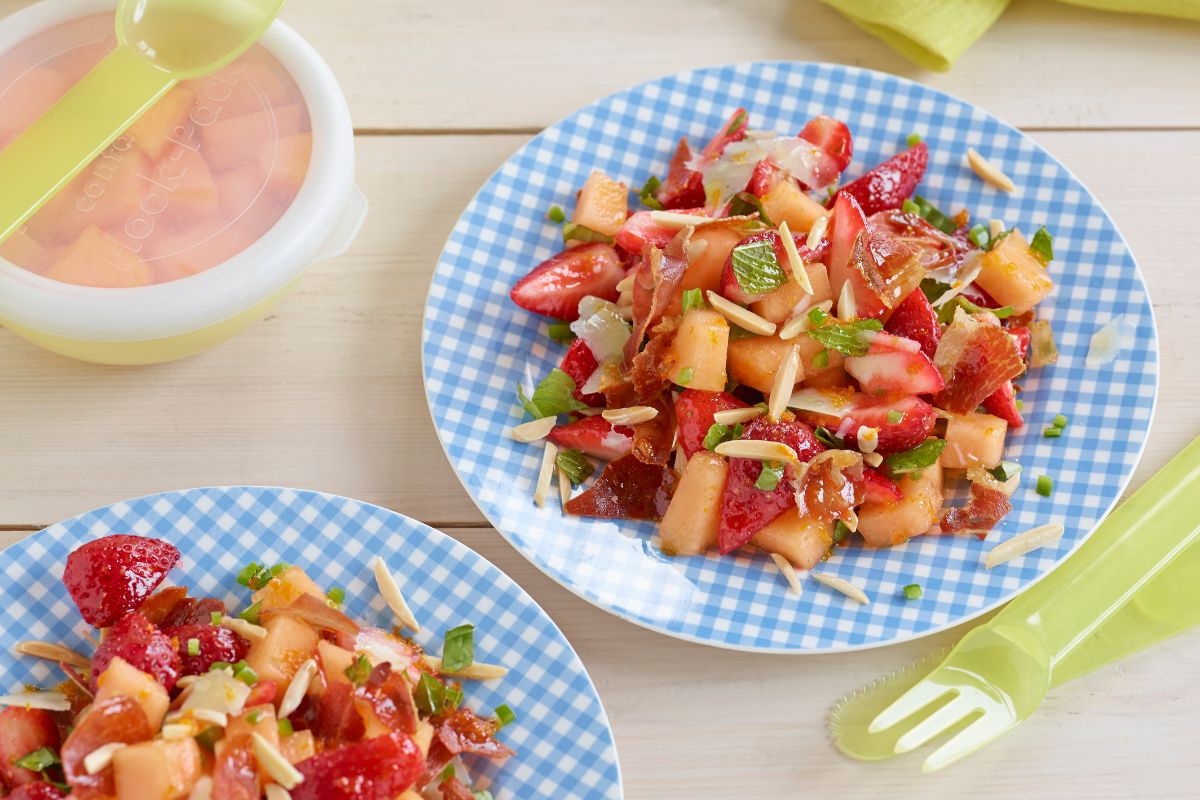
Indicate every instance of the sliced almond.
{"type": "Point", "coordinates": [390, 589]}
{"type": "Point", "coordinates": [799, 322]}
{"type": "Point", "coordinates": [794, 260]}
{"type": "Point", "coordinates": [868, 439]}
{"type": "Point", "coordinates": [52, 652]}
{"type": "Point", "coordinates": [475, 671]}
{"type": "Point", "coordinates": [203, 789]}
{"type": "Point", "coordinates": [847, 306]}
{"type": "Point", "coordinates": [186, 681]}
{"type": "Point", "coordinates": [631, 415]}
{"type": "Point", "coordinates": [541, 489]}
{"type": "Point", "coordinates": [177, 730]}
{"type": "Point", "coordinates": [995, 228]}
{"type": "Point", "coordinates": [1022, 543]}
{"type": "Point", "coordinates": [673, 219]}
{"type": "Point", "coordinates": [274, 763]}
{"type": "Point", "coordinates": [732, 416]}
{"type": "Point", "coordinates": [101, 758]}
{"type": "Point", "coordinates": [50, 701]}
{"type": "Point", "coordinates": [842, 585]}
{"type": "Point", "coordinates": [626, 283]}
{"type": "Point", "coordinates": [297, 688]}
{"type": "Point", "coordinates": [564, 485]}
{"type": "Point", "coordinates": [212, 717]}
{"type": "Point", "coordinates": [680, 460]}
{"type": "Point", "coordinates": [276, 792]}
{"type": "Point", "coordinates": [533, 430]}
{"type": "Point", "coordinates": [789, 573]}
{"type": "Point", "coordinates": [244, 628]}
{"type": "Point", "coordinates": [872, 459]}
{"type": "Point", "coordinates": [817, 232]}
{"type": "Point", "coordinates": [742, 317]}
{"type": "Point", "coordinates": [989, 171]}
{"type": "Point", "coordinates": [785, 382]}
{"type": "Point", "coordinates": [758, 450]}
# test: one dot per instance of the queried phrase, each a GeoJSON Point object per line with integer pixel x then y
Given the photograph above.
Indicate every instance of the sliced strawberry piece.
{"type": "Point", "coordinates": [116, 720]}
{"type": "Point", "coordinates": [1021, 334]}
{"type": "Point", "coordinates": [374, 769]}
{"type": "Point", "coordinates": [745, 510]}
{"type": "Point", "coordinates": [641, 229]}
{"type": "Point", "coordinates": [135, 639]}
{"type": "Point", "coordinates": [595, 436]}
{"type": "Point", "coordinates": [914, 422]}
{"type": "Point", "coordinates": [555, 287]}
{"type": "Point", "coordinates": [731, 289]}
{"type": "Point", "coordinates": [734, 130]}
{"type": "Point", "coordinates": [976, 359]}
{"type": "Point", "coordinates": [36, 791]}
{"type": "Point", "coordinates": [916, 319]}
{"type": "Point", "coordinates": [894, 365]}
{"type": "Point", "coordinates": [626, 489]}
{"type": "Point", "coordinates": [766, 176]}
{"type": "Point", "coordinates": [694, 411]}
{"type": "Point", "coordinates": [832, 136]}
{"type": "Point", "coordinates": [23, 730]}
{"type": "Point", "coordinates": [192, 611]}
{"type": "Point", "coordinates": [264, 692]}
{"type": "Point", "coordinates": [109, 577]}
{"type": "Point", "coordinates": [215, 644]}
{"type": "Point", "coordinates": [1002, 403]}
{"type": "Point", "coordinates": [892, 182]}
{"type": "Point", "coordinates": [879, 488]}
{"type": "Point", "coordinates": [579, 363]}
{"type": "Point", "coordinates": [683, 187]}
{"type": "Point", "coordinates": [844, 230]}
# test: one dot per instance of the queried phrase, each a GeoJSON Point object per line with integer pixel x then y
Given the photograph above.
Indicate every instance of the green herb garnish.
{"type": "Point", "coordinates": [685, 376]}
{"type": "Point", "coordinates": [561, 332]}
{"type": "Point", "coordinates": [828, 439]}
{"type": "Point", "coordinates": [1006, 471]}
{"type": "Point", "coordinates": [913, 139]}
{"type": "Point", "coordinates": [556, 214]}
{"type": "Point", "coordinates": [821, 359]}
{"type": "Point", "coordinates": [770, 477]}
{"type": "Point", "coordinates": [945, 313]}
{"type": "Point", "coordinates": [918, 458]}
{"type": "Point", "coordinates": [573, 231]}
{"type": "Point", "coordinates": [909, 207]}
{"type": "Point", "coordinates": [575, 464]}
{"type": "Point", "coordinates": [933, 289]}
{"type": "Point", "coordinates": [718, 433]}
{"type": "Point", "coordinates": [454, 696]}
{"type": "Point", "coordinates": [999, 237]}
{"type": "Point", "coordinates": [505, 715]}
{"type": "Point", "coordinates": [446, 774]}
{"type": "Point", "coordinates": [978, 235]}
{"type": "Point", "coordinates": [745, 203]}
{"type": "Point", "coordinates": [193, 647]}
{"type": "Point", "coordinates": [209, 737]}
{"type": "Point", "coordinates": [895, 417]}
{"type": "Point", "coordinates": [840, 531]}
{"type": "Point", "coordinates": [1045, 485]}
{"type": "Point", "coordinates": [553, 396]}
{"type": "Point", "coordinates": [430, 694]}
{"type": "Point", "coordinates": [931, 214]}
{"type": "Point", "coordinates": [817, 316]}
{"type": "Point", "coordinates": [848, 338]}
{"type": "Point", "coordinates": [647, 193]}
{"type": "Point", "coordinates": [284, 726]}
{"type": "Point", "coordinates": [458, 652]}
{"type": "Point", "coordinates": [336, 595]}
{"type": "Point", "coordinates": [216, 617]}
{"type": "Point", "coordinates": [359, 670]}
{"type": "Point", "coordinates": [39, 760]}
{"type": "Point", "coordinates": [913, 591]}
{"type": "Point", "coordinates": [1060, 420]}
{"type": "Point", "coordinates": [693, 298]}
{"type": "Point", "coordinates": [245, 674]}
{"type": "Point", "coordinates": [253, 717]}
{"type": "Point", "coordinates": [1042, 246]}
{"type": "Point", "coordinates": [251, 613]}
{"type": "Point", "coordinates": [1052, 432]}
{"type": "Point", "coordinates": [756, 268]}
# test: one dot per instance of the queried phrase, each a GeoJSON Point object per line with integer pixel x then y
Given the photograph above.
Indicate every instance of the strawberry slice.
{"type": "Point", "coordinates": [263, 692]}
{"type": "Point", "coordinates": [374, 769]}
{"type": "Point", "coordinates": [116, 720]}
{"type": "Point", "coordinates": [845, 228]}
{"type": "Point", "coordinates": [766, 176]}
{"type": "Point", "coordinates": [109, 577]}
{"type": "Point", "coordinates": [914, 421]}
{"type": "Point", "coordinates": [1021, 334]}
{"type": "Point", "coordinates": [215, 643]}
{"type": "Point", "coordinates": [734, 130]}
{"type": "Point", "coordinates": [879, 488]}
{"type": "Point", "coordinates": [894, 365]}
{"type": "Point", "coordinates": [683, 188]}
{"type": "Point", "coordinates": [595, 436]}
{"type": "Point", "coordinates": [626, 489]}
{"type": "Point", "coordinates": [832, 136]}
{"type": "Point", "coordinates": [136, 639]}
{"type": "Point", "coordinates": [36, 791]}
{"type": "Point", "coordinates": [1002, 403]}
{"type": "Point", "coordinates": [555, 287]}
{"type": "Point", "coordinates": [745, 509]}
{"type": "Point", "coordinates": [641, 229]}
{"type": "Point", "coordinates": [892, 182]}
{"type": "Point", "coordinates": [23, 730]}
{"type": "Point", "coordinates": [579, 363]}
{"type": "Point", "coordinates": [916, 319]}
{"type": "Point", "coordinates": [732, 290]}
{"type": "Point", "coordinates": [694, 411]}
{"type": "Point", "coordinates": [191, 611]}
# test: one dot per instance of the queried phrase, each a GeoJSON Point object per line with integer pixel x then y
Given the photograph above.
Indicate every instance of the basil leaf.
{"type": "Point", "coordinates": [945, 313]}
{"type": "Point", "coordinates": [430, 695]}
{"type": "Point", "coordinates": [39, 760]}
{"type": "Point", "coordinates": [458, 652]}
{"type": "Point", "coordinates": [575, 464]}
{"type": "Point", "coordinates": [582, 233]}
{"type": "Point", "coordinates": [1006, 470]}
{"type": "Point", "coordinates": [745, 203]}
{"type": "Point", "coordinates": [846, 337]}
{"type": "Point", "coordinates": [933, 289]}
{"type": "Point", "coordinates": [561, 332]}
{"type": "Point", "coordinates": [553, 396]}
{"type": "Point", "coordinates": [1043, 246]}
{"type": "Point", "coordinates": [756, 268]}
{"type": "Point", "coordinates": [918, 458]}
{"type": "Point", "coordinates": [770, 476]}
{"type": "Point", "coordinates": [840, 531]}
{"type": "Point", "coordinates": [931, 214]}
{"type": "Point", "coordinates": [718, 433]}
{"type": "Point", "coordinates": [693, 298]}
{"type": "Point", "coordinates": [999, 237]}
{"type": "Point", "coordinates": [647, 193]}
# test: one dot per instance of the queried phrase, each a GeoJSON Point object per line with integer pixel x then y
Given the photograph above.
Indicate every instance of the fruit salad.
{"type": "Point", "coordinates": [761, 357]}
{"type": "Point", "coordinates": [289, 697]}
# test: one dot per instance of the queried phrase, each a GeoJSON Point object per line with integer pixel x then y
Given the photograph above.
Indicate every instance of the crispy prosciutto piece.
{"type": "Point", "coordinates": [683, 188]}
{"type": "Point", "coordinates": [190, 611]}
{"type": "Point", "coordinates": [374, 769]}
{"type": "Point", "coordinates": [388, 693]}
{"type": "Point", "coordinates": [457, 732]}
{"type": "Point", "coordinates": [935, 249]}
{"type": "Point", "coordinates": [987, 505]}
{"type": "Point", "coordinates": [694, 412]}
{"type": "Point", "coordinates": [626, 489]}
{"type": "Point", "coordinates": [975, 358]}
{"type": "Point", "coordinates": [337, 717]}
{"type": "Point", "coordinates": [888, 266]}
{"type": "Point", "coordinates": [117, 719]}
{"type": "Point", "coordinates": [655, 287]}
{"type": "Point", "coordinates": [831, 487]}
{"type": "Point", "coordinates": [157, 606]}
{"type": "Point", "coordinates": [651, 369]}
{"type": "Point", "coordinates": [654, 440]}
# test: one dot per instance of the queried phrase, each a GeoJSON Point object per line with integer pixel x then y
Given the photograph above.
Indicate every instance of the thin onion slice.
{"type": "Point", "coordinates": [1022, 543]}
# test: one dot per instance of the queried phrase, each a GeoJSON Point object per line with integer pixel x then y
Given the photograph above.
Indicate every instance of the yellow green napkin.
{"type": "Point", "coordinates": [934, 33]}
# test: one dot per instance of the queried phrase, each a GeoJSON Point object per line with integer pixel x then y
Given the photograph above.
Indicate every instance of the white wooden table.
{"type": "Point", "coordinates": [326, 394]}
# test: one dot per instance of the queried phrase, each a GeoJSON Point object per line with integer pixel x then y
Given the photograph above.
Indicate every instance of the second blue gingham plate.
{"type": "Point", "coordinates": [563, 741]}
{"type": "Point", "coordinates": [477, 346]}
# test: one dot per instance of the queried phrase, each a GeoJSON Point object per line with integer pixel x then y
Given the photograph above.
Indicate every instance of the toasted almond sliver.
{"type": "Point", "coordinates": [564, 485]}
{"type": "Point", "coordinates": [817, 232]}
{"type": "Point", "coordinates": [276, 792]}
{"type": "Point", "coordinates": [52, 652]}
{"type": "Point", "coordinates": [989, 171]}
{"type": "Point", "coordinates": [995, 228]}
{"type": "Point", "coordinates": [799, 322]}
{"type": "Point", "coordinates": [672, 219]}
{"type": "Point", "coordinates": [218, 718]}
{"type": "Point", "coordinates": [99, 759]}
{"type": "Point", "coordinates": [476, 671]}
{"type": "Point", "coordinates": [758, 450]}
{"type": "Point", "coordinates": [541, 489]}
{"type": "Point", "coordinates": [868, 439]}
{"type": "Point", "coordinates": [680, 460]}
{"type": "Point", "coordinates": [847, 306]}
{"type": "Point", "coordinates": [626, 283]}
{"type": "Point", "coordinates": [50, 701]}
{"type": "Point", "coordinates": [732, 416]}
{"type": "Point", "coordinates": [533, 430]}
{"type": "Point", "coordinates": [742, 317]}
{"type": "Point", "coordinates": [245, 629]}
{"type": "Point", "coordinates": [872, 459]}
{"type": "Point", "coordinates": [797, 263]}
{"type": "Point", "coordinates": [203, 789]}
{"type": "Point", "coordinates": [631, 415]}
{"type": "Point", "coordinates": [842, 585]}
{"type": "Point", "coordinates": [390, 590]}
{"type": "Point", "coordinates": [785, 382]}
{"type": "Point", "coordinates": [177, 730]}
{"type": "Point", "coordinates": [297, 688]}
{"type": "Point", "coordinates": [274, 763]}
{"type": "Point", "coordinates": [789, 573]}
{"type": "Point", "coordinates": [1023, 543]}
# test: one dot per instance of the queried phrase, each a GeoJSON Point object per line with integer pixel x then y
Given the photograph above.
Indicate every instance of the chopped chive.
{"type": "Point", "coordinates": [193, 647]}
{"type": "Point", "coordinates": [913, 139]}
{"type": "Point", "coordinates": [219, 665]}
{"type": "Point", "coordinates": [481, 794]}
{"type": "Point", "coordinates": [821, 359]}
{"type": "Point", "coordinates": [909, 207]}
{"type": "Point", "coordinates": [251, 613]}
{"type": "Point", "coordinates": [647, 193]}
{"type": "Point", "coordinates": [769, 477]}
{"type": "Point", "coordinates": [430, 695]}
{"type": "Point", "coordinates": [359, 671]}
{"type": "Point", "coordinates": [458, 652]}
{"type": "Point", "coordinates": [718, 433]}
{"type": "Point", "coordinates": [336, 595]}
{"type": "Point", "coordinates": [505, 715]}
{"type": "Point", "coordinates": [446, 774]}
{"type": "Point", "coordinates": [248, 573]}
{"type": "Point", "coordinates": [278, 569]}
{"type": "Point", "coordinates": [894, 416]}
{"type": "Point", "coordinates": [1006, 470]}
{"type": "Point", "coordinates": [685, 376]}
{"type": "Point", "coordinates": [1060, 421]}
{"type": "Point", "coordinates": [1020, 404]}
{"type": "Point", "coordinates": [216, 617]}
{"type": "Point", "coordinates": [284, 726]}
{"type": "Point", "coordinates": [913, 591]}
{"type": "Point", "coordinates": [253, 717]}
{"type": "Point", "coordinates": [246, 675]}
{"type": "Point", "coordinates": [561, 332]}
{"type": "Point", "coordinates": [1053, 432]}
{"type": "Point", "coordinates": [40, 760]}
{"type": "Point", "coordinates": [1045, 485]}
{"type": "Point", "coordinates": [556, 214]}
{"type": "Point", "coordinates": [978, 235]}
{"type": "Point", "coordinates": [840, 531]}
{"type": "Point", "coordinates": [208, 737]}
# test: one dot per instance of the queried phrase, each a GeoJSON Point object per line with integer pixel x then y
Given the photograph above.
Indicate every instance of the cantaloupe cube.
{"type": "Point", "coordinates": [289, 643]}
{"type": "Point", "coordinates": [754, 360]}
{"type": "Point", "coordinates": [895, 522]}
{"type": "Point", "coordinates": [334, 662]}
{"type": "Point", "coordinates": [286, 163]}
{"type": "Point", "coordinates": [232, 141]}
{"type": "Point", "coordinates": [165, 121]}
{"type": "Point", "coordinates": [690, 525]}
{"type": "Point", "coordinates": [780, 305]}
{"type": "Point", "coordinates": [258, 719]}
{"type": "Point", "coordinates": [238, 189]}
{"type": "Point", "coordinates": [603, 204]}
{"type": "Point", "coordinates": [423, 736]}
{"type": "Point", "coordinates": [698, 350]}
{"type": "Point", "coordinates": [1012, 275]}
{"type": "Point", "coordinates": [194, 193]}
{"type": "Point", "coordinates": [28, 253]}
{"type": "Point", "coordinates": [107, 194]}
{"type": "Point", "coordinates": [284, 588]}
{"type": "Point", "coordinates": [973, 440]}
{"type": "Point", "coordinates": [97, 259]}
{"type": "Point", "coordinates": [709, 249]}
{"type": "Point", "coordinates": [298, 746]}
{"type": "Point", "coordinates": [787, 203]}
{"type": "Point", "coordinates": [804, 541]}
{"type": "Point", "coordinates": [831, 375]}
{"type": "Point", "coordinates": [120, 678]}
{"type": "Point", "coordinates": [157, 770]}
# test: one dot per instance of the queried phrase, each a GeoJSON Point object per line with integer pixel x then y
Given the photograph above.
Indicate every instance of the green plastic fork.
{"type": "Point", "coordinates": [1126, 588]}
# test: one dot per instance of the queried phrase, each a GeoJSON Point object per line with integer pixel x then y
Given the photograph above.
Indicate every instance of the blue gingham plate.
{"type": "Point", "coordinates": [477, 346]}
{"type": "Point", "coordinates": [561, 734]}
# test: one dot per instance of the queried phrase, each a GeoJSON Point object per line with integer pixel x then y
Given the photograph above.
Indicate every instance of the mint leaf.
{"type": "Point", "coordinates": [931, 214]}
{"type": "Point", "coordinates": [575, 464]}
{"type": "Point", "coordinates": [918, 458]}
{"type": "Point", "coordinates": [693, 298]}
{"type": "Point", "coordinates": [828, 439]}
{"type": "Point", "coordinates": [1043, 246]}
{"type": "Point", "coordinates": [582, 233]}
{"type": "Point", "coordinates": [999, 237]}
{"type": "Point", "coordinates": [718, 433]}
{"type": "Point", "coordinates": [756, 268]}
{"type": "Point", "coordinates": [745, 203]}
{"type": "Point", "coordinates": [39, 760]}
{"type": "Point", "coordinates": [553, 396]}
{"type": "Point", "coordinates": [847, 337]}
{"type": "Point", "coordinates": [933, 289]}
{"type": "Point", "coordinates": [945, 313]}
{"type": "Point", "coordinates": [770, 476]}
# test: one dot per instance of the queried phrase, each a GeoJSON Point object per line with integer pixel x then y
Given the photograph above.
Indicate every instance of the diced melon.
{"type": "Point", "coordinates": [165, 121]}
{"type": "Point", "coordinates": [885, 524]}
{"type": "Point", "coordinates": [194, 192]}
{"type": "Point", "coordinates": [1012, 275]}
{"type": "Point", "coordinates": [258, 719]}
{"type": "Point", "coordinates": [334, 662]}
{"type": "Point", "coordinates": [28, 253]}
{"type": "Point", "coordinates": [973, 440]}
{"type": "Point", "coordinates": [780, 305]}
{"type": "Point", "coordinates": [754, 360]}
{"type": "Point", "coordinates": [286, 164]}
{"type": "Point", "coordinates": [423, 736]}
{"type": "Point", "coordinates": [289, 643]}
{"type": "Point", "coordinates": [787, 203]}
{"type": "Point", "coordinates": [238, 189]}
{"type": "Point", "coordinates": [603, 204]}
{"type": "Point", "coordinates": [97, 259]}
{"type": "Point", "coordinates": [120, 678]}
{"type": "Point", "coordinates": [804, 541]}
{"type": "Point", "coordinates": [107, 194]}
{"type": "Point", "coordinates": [28, 98]}
{"type": "Point", "coordinates": [157, 770]}
{"type": "Point", "coordinates": [831, 375]}
{"type": "Point", "coordinates": [690, 525]}
{"type": "Point", "coordinates": [233, 141]}
{"type": "Point", "coordinates": [698, 350]}
{"type": "Point", "coordinates": [298, 746]}
{"type": "Point", "coordinates": [707, 252]}
{"type": "Point", "coordinates": [284, 588]}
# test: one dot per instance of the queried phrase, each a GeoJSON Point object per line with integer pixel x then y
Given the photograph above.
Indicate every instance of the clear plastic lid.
{"type": "Point", "coordinates": [201, 176]}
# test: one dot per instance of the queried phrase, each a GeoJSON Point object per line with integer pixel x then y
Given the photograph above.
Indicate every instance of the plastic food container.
{"type": "Point", "coordinates": [197, 220]}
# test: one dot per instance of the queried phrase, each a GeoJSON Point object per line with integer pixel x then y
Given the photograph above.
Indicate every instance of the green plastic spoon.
{"type": "Point", "coordinates": [159, 43]}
